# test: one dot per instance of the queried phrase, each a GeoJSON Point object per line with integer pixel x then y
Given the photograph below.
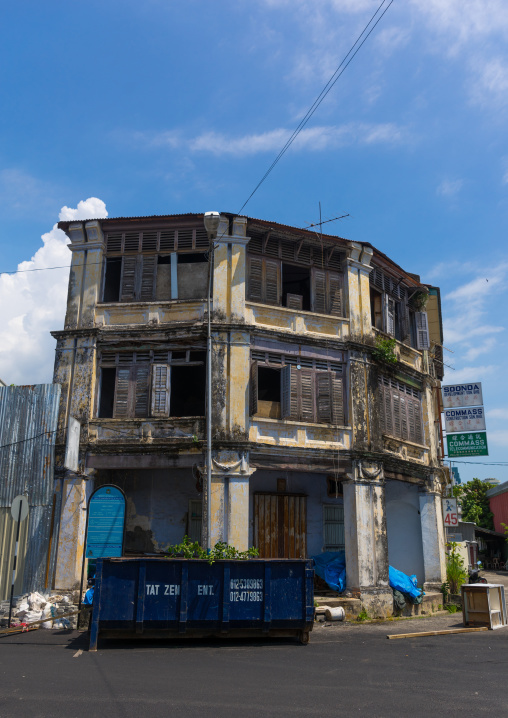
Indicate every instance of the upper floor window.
{"type": "Point", "coordinates": [158, 383]}
{"type": "Point", "coordinates": [401, 410]}
{"type": "Point", "coordinates": [285, 386]}
{"type": "Point", "coordinates": [392, 313]}
{"type": "Point", "coordinates": [297, 275]}
{"type": "Point", "coordinates": [156, 265]}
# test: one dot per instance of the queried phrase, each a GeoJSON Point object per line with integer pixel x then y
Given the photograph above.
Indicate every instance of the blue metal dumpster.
{"type": "Point", "coordinates": [157, 597]}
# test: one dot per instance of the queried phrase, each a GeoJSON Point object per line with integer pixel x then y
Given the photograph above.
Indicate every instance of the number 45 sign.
{"type": "Point", "coordinates": [450, 515]}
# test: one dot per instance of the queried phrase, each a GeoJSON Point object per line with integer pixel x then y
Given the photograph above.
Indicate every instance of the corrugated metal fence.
{"type": "Point", "coordinates": [28, 422]}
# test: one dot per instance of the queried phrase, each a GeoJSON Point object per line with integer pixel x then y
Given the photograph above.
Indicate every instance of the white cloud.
{"type": "Point", "coordinates": [499, 438]}
{"type": "Point", "coordinates": [470, 373]}
{"type": "Point", "coordinates": [497, 414]}
{"type": "Point", "coordinates": [34, 302]}
{"type": "Point", "coordinates": [450, 188]}
{"type": "Point", "coordinates": [310, 139]}
{"type": "Point", "coordinates": [91, 208]}
{"type": "Point", "coordinates": [475, 351]}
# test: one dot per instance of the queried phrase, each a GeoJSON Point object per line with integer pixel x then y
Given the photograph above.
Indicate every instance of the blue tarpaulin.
{"type": "Point", "coordinates": [331, 567]}
{"type": "Point", "coordinates": [404, 584]}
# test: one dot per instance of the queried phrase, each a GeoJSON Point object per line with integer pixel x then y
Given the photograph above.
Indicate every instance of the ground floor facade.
{"type": "Point", "coordinates": [378, 521]}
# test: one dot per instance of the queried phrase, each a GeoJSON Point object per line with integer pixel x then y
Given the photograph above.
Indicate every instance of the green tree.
{"type": "Point", "coordinates": [475, 503]}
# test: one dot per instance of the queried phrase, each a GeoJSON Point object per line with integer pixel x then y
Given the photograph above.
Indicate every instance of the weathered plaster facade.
{"type": "Point", "coordinates": [308, 422]}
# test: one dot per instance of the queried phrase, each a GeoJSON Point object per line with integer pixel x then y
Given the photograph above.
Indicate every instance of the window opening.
{"type": "Point", "coordinates": [269, 388]}
{"type": "Point", "coordinates": [295, 285]}
{"type": "Point", "coordinates": [187, 258]}
{"type": "Point", "coordinates": [188, 385]}
{"type": "Point", "coordinates": [112, 279]}
{"type": "Point", "coordinates": [107, 392]}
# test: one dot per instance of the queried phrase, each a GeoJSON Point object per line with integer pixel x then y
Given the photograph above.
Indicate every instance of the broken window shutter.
{"type": "Point", "coordinates": [324, 397]}
{"type": "Point", "coordinates": [149, 266]}
{"type": "Point", "coordinates": [255, 279]}
{"type": "Point", "coordinates": [335, 294]}
{"type": "Point", "coordinates": [128, 282]}
{"type": "Point", "coordinates": [338, 400]}
{"type": "Point", "coordinates": [123, 380]}
{"type": "Point", "coordinates": [272, 273]}
{"type": "Point", "coordinates": [306, 385]}
{"type": "Point", "coordinates": [319, 291]}
{"type": "Point", "coordinates": [422, 330]}
{"type": "Point", "coordinates": [160, 390]}
{"type": "Point", "coordinates": [389, 316]}
{"type": "Point", "coordinates": [285, 382]}
{"type": "Point", "coordinates": [141, 393]}
{"type": "Point", "coordinates": [253, 388]}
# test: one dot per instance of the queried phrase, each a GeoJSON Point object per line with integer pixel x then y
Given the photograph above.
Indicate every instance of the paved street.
{"type": "Point", "coordinates": [346, 670]}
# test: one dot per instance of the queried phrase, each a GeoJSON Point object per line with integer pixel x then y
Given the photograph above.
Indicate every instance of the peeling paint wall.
{"type": "Point", "coordinates": [404, 528]}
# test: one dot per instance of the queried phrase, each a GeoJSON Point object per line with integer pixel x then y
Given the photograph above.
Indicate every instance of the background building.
{"type": "Point", "coordinates": [325, 433]}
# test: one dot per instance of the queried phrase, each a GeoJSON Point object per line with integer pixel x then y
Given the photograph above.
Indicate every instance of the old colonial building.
{"type": "Point", "coordinates": [325, 435]}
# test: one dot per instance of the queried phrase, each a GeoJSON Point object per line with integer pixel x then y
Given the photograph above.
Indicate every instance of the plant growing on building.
{"type": "Point", "coordinates": [192, 550]}
{"type": "Point", "coordinates": [418, 301]}
{"type": "Point", "coordinates": [363, 615]}
{"type": "Point", "coordinates": [384, 350]}
{"type": "Point", "coordinates": [456, 573]}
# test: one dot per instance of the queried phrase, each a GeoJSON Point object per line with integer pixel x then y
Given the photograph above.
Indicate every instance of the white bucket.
{"type": "Point", "coordinates": [335, 614]}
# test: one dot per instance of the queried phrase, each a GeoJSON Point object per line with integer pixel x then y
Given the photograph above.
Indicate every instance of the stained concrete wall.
{"type": "Point", "coordinates": [157, 505]}
{"type": "Point", "coordinates": [405, 547]}
{"type": "Point", "coordinates": [313, 485]}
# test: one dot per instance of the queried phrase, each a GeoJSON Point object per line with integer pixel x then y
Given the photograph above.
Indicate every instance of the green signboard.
{"type": "Point", "coordinates": [467, 444]}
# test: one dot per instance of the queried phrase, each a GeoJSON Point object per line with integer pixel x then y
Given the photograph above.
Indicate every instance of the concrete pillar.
{"type": "Point", "coordinates": [71, 538]}
{"type": "Point", "coordinates": [229, 271]}
{"type": "Point", "coordinates": [358, 271]}
{"type": "Point", "coordinates": [87, 247]}
{"type": "Point", "coordinates": [229, 499]}
{"type": "Point", "coordinates": [366, 539]}
{"type": "Point", "coordinates": [433, 535]}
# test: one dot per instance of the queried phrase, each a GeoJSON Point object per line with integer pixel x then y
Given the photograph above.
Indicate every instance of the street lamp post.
{"type": "Point", "coordinates": [211, 221]}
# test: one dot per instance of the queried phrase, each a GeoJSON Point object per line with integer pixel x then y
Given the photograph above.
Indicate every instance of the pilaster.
{"type": "Point", "coordinates": [358, 271]}
{"type": "Point", "coordinates": [433, 534]}
{"type": "Point", "coordinates": [71, 538]}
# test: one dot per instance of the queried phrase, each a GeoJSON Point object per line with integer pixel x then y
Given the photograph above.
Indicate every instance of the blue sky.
{"type": "Point", "coordinates": [166, 107]}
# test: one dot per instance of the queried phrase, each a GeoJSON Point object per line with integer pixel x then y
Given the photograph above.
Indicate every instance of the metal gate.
{"type": "Point", "coordinates": [280, 525]}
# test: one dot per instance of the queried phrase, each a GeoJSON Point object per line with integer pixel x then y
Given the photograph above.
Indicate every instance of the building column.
{"type": "Point", "coordinates": [229, 499]}
{"type": "Point", "coordinates": [76, 491]}
{"type": "Point", "coordinates": [366, 540]}
{"type": "Point", "coordinates": [358, 271]}
{"type": "Point", "coordinates": [433, 538]}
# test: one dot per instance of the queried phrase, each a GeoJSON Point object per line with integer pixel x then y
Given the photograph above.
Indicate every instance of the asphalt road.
{"type": "Point", "coordinates": [344, 671]}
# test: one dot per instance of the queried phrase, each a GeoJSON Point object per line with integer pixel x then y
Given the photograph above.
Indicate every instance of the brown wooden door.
{"type": "Point", "coordinates": [280, 525]}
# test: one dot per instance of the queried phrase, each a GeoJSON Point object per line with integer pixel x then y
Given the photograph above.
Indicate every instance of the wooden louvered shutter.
{"type": "Point", "coordinates": [123, 381]}
{"type": "Point", "coordinates": [338, 400]}
{"type": "Point", "coordinates": [422, 331]}
{"type": "Point", "coordinates": [388, 411]}
{"type": "Point", "coordinates": [272, 281]}
{"type": "Point", "coordinates": [306, 387]}
{"type": "Point", "coordinates": [335, 294]}
{"type": "Point", "coordinates": [396, 413]}
{"type": "Point", "coordinates": [319, 291]}
{"type": "Point", "coordinates": [149, 267]}
{"type": "Point", "coordinates": [323, 397]}
{"type": "Point", "coordinates": [285, 381]}
{"type": "Point", "coordinates": [128, 282]}
{"type": "Point", "coordinates": [295, 395]}
{"type": "Point", "coordinates": [253, 388]}
{"type": "Point", "coordinates": [403, 416]}
{"type": "Point", "coordinates": [417, 411]}
{"type": "Point", "coordinates": [411, 419]}
{"type": "Point", "coordinates": [389, 315]}
{"type": "Point", "coordinates": [160, 389]}
{"type": "Point", "coordinates": [404, 321]}
{"type": "Point", "coordinates": [255, 279]}
{"type": "Point", "coordinates": [142, 390]}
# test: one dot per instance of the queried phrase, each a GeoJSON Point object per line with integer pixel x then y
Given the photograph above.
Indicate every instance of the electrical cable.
{"type": "Point", "coordinates": [324, 92]}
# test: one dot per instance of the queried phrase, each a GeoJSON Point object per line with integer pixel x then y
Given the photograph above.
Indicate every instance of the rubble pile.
{"type": "Point", "coordinates": [36, 607]}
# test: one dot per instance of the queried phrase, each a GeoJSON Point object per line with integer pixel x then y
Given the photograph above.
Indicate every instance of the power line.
{"type": "Point", "coordinates": [324, 92]}
{"type": "Point", "coordinates": [30, 438]}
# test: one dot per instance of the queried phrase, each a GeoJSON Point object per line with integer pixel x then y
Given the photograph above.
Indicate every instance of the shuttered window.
{"type": "Point", "coordinates": [131, 391]}
{"type": "Point", "coordinates": [308, 395]}
{"type": "Point", "coordinates": [401, 410]}
{"type": "Point", "coordinates": [266, 279]}
{"type": "Point", "coordinates": [389, 305]}
{"type": "Point", "coordinates": [333, 527]}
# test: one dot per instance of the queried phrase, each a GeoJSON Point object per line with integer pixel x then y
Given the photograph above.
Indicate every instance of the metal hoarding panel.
{"type": "Point", "coordinates": [462, 395]}
{"type": "Point", "coordinates": [28, 422]}
{"type": "Point", "coordinates": [467, 444]}
{"type": "Point", "coordinates": [463, 419]}
{"type": "Point", "coordinates": [7, 545]}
